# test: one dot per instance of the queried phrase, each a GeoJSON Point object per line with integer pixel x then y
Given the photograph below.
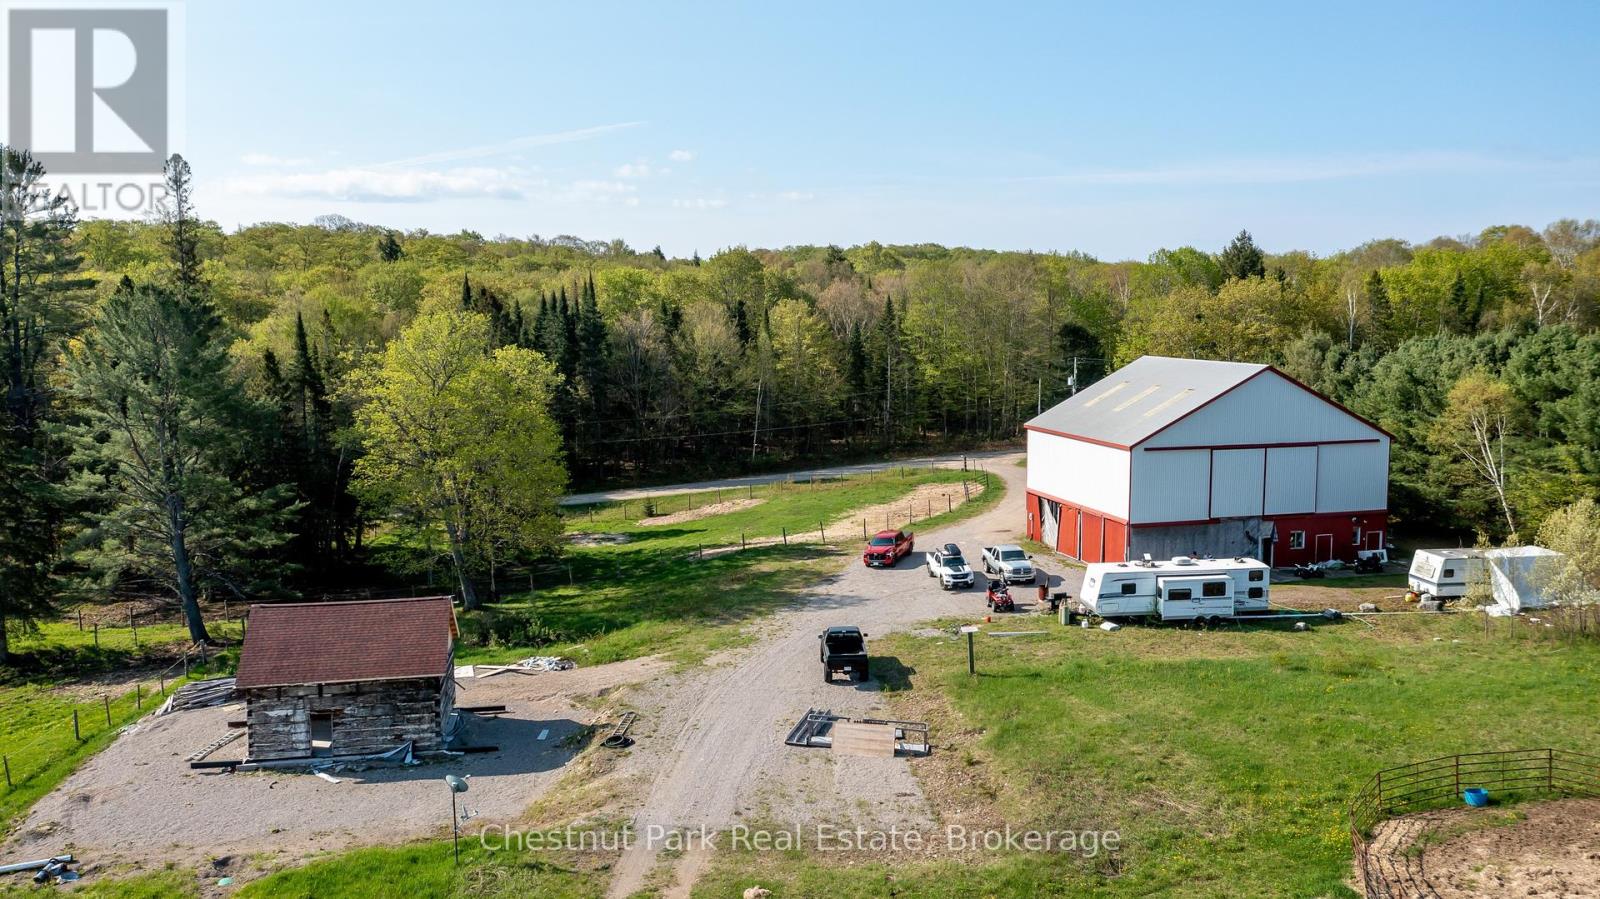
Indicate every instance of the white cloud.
{"type": "Point", "coordinates": [371, 185]}
{"type": "Point", "coordinates": [510, 146]}
{"type": "Point", "coordinates": [796, 196]}
{"type": "Point", "coordinates": [633, 170]}
{"type": "Point", "coordinates": [681, 156]}
{"type": "Point", "coordinates": [268, 160]}
{"type": "Point", "coordinates": [700, 203]}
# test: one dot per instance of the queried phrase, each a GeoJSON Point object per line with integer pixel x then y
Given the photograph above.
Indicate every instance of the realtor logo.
{"type": "Point", "coordinates": [89, 87]}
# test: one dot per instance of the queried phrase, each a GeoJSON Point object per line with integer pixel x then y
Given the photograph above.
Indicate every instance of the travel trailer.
{"type": "Point", "coordinates": [1177, 589]}
{"type": "Point", "coordinates": [1511, 579]}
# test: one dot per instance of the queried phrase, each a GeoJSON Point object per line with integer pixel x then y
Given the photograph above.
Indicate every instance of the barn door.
{"type": "Point", "coordinates": [1050, 519]}
{"type": "Point", "coordinates": [1324, 548]}
{"type": "Point", "coordinates": [321, 734]}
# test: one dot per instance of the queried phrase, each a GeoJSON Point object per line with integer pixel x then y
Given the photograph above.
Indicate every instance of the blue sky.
{"type": "Point", "coordinates": [1017, 126]}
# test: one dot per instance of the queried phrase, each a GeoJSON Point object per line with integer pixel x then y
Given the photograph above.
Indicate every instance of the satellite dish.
{"type": "Point", "coordinates": [457, 785]}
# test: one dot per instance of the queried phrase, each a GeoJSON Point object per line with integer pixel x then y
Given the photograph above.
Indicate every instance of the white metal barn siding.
{"type": "Point", "coordinates": [1352, 476]}
{"type": "Point", "coordinates": [1079, 472]}
{"type": "Point", "coordinates": [1291, 480]}
{"type": "Point", "coordinates": [1237, 482]}
{"type": "Point", "coordinates": [1171, 486]}
{"type": "Point", "coordinates": [1260, 412]}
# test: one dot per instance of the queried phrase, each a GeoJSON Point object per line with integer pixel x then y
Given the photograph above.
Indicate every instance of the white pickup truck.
{"type": "Point", "coordinates": [947, 564]}
{"type": "Point", "coordinates": [1009, 562]}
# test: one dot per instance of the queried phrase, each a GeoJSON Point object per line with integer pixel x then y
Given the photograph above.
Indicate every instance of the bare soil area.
{"type": "Point", "coordinates": [1548, 849]}
{"type": "Point", "coordinates": [706, 511]}
{"type": "Point", "coordinates": [138, 802]}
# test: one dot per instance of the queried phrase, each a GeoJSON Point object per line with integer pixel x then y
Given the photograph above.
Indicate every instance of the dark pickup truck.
{"type": "Point", "coordinates": [843, 649]}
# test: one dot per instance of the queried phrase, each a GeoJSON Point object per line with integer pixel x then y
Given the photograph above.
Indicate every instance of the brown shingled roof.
{"type": "Point", "coordinates": [342, 642]}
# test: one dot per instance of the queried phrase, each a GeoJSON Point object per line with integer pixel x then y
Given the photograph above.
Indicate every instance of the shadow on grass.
{"type": "Point", "coordinates": [889, 675]}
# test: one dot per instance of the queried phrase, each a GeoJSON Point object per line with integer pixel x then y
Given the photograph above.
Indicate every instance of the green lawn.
{"type": "Point", "coordinates": [1224, 759]}
{"type": "Point", "coordinates": [654, 595]}
{"type": "Point", "coordinates": [37, 742]}
{"type": "Point", "coordinates": [429, 870]}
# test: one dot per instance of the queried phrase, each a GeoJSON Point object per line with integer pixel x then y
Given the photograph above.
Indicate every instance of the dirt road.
{"type": "Point", "coordinates": [716, 757]}
{"type": "Point", "coordinates": [948, 460]}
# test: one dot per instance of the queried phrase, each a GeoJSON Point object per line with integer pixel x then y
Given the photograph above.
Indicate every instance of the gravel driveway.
{"type": "Point", "coordinates": [714, 754]}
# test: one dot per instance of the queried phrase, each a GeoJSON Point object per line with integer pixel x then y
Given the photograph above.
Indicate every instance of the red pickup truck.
{"type": "Point", "coordinates": [887, 547]}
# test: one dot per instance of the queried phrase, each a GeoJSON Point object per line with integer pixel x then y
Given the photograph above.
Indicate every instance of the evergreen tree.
{"type": "Point", "coordinates": [466, 293]}
{"type": "Point", "coordinates": [389, 249]}
{"type": "Point", "coordinates": [856, 372]}
{"type": "Point", "coordinates": [160, 421]}
{"type": "Point", "coordinates": [40, 307]}
{"type": "Point", "coordinates": [182, 231]}
{"type": "Point", "coordinates": [741, 323]}
{"type": "Point", "coordinates": [1455, 313]}
{"type": "Point", "coordinates": [1242, 258]}
{"type": "Point", "coordinates": [1380, 314]}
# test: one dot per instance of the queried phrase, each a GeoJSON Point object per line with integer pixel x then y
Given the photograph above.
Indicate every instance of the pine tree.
{"type": "Point", "coordinates": [389, 249]}
{"type": "Point", "coordinates": [1380, 313]}
{"type": "Point", "coordinates": [183, 232]}
{"type": "Point", "coordinates": [1242, 259]}
{"type": "Point", "coordinates": [741, 323]}
{"type": "Point", "coordinates": [1455, 312]}
{"type": "Point", "coordinates": [160, 414]}
{"type": "Point", "coordinates": [466, 293]}
{"type": "Point", "coordinates": [40, 306]}
{"type": "Point", "coordinates": [856, 372]}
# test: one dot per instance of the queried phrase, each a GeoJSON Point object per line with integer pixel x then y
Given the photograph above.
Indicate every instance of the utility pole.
{"type": "Point", "coordinates": [1039, 404]}
{"type": "Point", "coordinates": [1074, 375]}
{"type": "Point", "coordinates": [757, 429]}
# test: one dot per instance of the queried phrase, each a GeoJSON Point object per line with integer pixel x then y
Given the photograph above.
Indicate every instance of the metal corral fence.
{"type": "Point", "coordinates": [1510, 774]}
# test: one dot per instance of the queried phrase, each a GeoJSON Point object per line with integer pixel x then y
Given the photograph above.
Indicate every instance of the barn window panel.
{"type": "Point", "coordinates": [1256, 574]}
{"type": "Point", "coordinates": [1214, 588]}
{"type": "Point", "coordinates": [1128, 587]}
{"type": "Point", "coordinates": [1355, 536]}
{"type": "Point", "coordinates": [1257, 593]}
{"type": "Point", "coordinates": [1297, 539]}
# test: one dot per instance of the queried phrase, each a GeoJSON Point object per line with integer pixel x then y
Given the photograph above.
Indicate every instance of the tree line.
{"type": "Point", "coordinates": [190, 410]}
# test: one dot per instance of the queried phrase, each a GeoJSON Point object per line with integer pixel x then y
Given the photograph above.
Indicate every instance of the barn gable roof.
{"type": "Point", "coordinates": [1150, 394]}
{"type": "Point", "coordinates": [343, 642]}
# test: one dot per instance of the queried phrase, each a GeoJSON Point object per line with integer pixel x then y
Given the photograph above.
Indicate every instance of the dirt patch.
{"type": "Point", "coordinates": [1547, 849]}
{"type": "Point", "coordinates": [925, 501]}
{"type": "Point", "coordinates": [706, 511]}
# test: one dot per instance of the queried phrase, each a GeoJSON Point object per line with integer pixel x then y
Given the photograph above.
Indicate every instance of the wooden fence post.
{"type": "Point", "coordinates": [107, 698]}
{"type": "Point", "coordinates": [133, 625]}
{"type": "Point", "coordinates": [785, 536]}
{"type": "Point", "coordinates": [6, 760]}
{"type": "Point", "coordinates": [97, 635]}
{"type": "Point", "coordinates": [823, 531]}
{"type": "Point", "coordinates": [75, 733]}
{"type": "Point", "coordinates": [138, 696]}
{"type": "Point", "coordinates": [741, 539]}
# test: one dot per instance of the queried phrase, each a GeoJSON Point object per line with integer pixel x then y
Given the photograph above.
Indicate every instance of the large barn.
{"type": "Point", "coordinates": [1182, 456]}
{"type": "Point", "coordinates": [348, 678]}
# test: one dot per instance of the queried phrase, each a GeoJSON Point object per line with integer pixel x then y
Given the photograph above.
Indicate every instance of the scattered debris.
{"type": "Point", "coordinates": [815, 729]}
{"type": "Point", "coordinates": [199, 695]}
{"type": "Point", "coordinates": [544, 733]}
{"type": "Point", "coordinates": [1110, 626]}
{"type": "Point", "coordinates": [1431, 605]}
{"type": "Point", "coordinates": [1015, 633]}
{"type": "Point", "coordinates": [216, 744]}
{"type": "Point", "coordinates": [870, 740]}
{"type": "Point", "coordinates": [1368, 607]}
{"type": "Point", "coordinates": [530, 665]}
{"type": "Point", "coordinates": [618, 738]}
{"type": "Point", "coordinates": [1301, 626]}
{"type": "Point", "coordinates": [1332, 614]}
{"type": "Point", "coordinates": [327, 777]}
{"type": "Point", "coordinates": [482, 709]}
{"type": "Point", "coordinates": [225, 882]}
{"type": "Point", "coordinates": [39, 865]}
{"type": "Point", "coordinates": [757, 893]}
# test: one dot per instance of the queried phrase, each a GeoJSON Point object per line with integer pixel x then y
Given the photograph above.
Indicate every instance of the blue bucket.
{"type": "Point", "coordinates": [1477, 797]}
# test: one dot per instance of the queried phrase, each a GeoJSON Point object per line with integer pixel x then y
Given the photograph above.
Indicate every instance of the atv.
{"type": "Point", "coordinates": [998, 598]}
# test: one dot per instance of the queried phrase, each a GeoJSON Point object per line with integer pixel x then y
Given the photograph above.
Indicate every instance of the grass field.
{"type": "Point", "coordinates": [1224, 759]}
{"type": "Point", "coordinates": [654, 594]}
{"type": "Point", "coordinates": [37, 743]}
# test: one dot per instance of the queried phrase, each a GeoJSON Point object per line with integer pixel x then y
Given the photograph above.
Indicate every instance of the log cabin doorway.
{"type": "Point", "coordinates": [321, 734]}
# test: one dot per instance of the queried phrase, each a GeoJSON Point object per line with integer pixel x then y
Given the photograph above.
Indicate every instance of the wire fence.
{"type": "Point", "coordinates": [1386, 868]}
{"type": "Point", "coordinates": [43, 731]}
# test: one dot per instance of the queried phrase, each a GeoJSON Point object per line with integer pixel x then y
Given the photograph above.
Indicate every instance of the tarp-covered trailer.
{"type": "Point", "coordinates": [1513, 576]}
{"type": "Point", "coordinates": [1178, 589]}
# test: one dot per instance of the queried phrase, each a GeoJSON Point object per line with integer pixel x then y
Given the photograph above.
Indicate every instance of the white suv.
{"type": "Point", "coordinates": [947, 564]}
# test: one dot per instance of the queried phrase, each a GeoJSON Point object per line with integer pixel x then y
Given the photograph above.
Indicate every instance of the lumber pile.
{"type": "Point", "coordinates": [199, 695]}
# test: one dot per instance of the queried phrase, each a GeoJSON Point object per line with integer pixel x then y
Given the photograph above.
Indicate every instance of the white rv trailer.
{"type": "Point", "coordinates": [1177, 589]}
{"type": "Point", "coordinates": [1513, 577]}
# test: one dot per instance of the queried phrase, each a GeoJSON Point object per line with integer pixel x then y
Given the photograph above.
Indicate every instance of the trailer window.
{"type": "Point", "coordinates": [1257, 592]}
{"type": "Point", "coordinates": [1297, 539]}
{"type": "Point", "coordinates": [1256, 575]}
{"type": "Point", "coordinates": [1128, 587]}
{"type": "Point", "coordinates": [1214, 588]}
{"type": "Point", "coordinates": [1178, 594]}
{"type": "Point", "coordinates": [1449, 572]}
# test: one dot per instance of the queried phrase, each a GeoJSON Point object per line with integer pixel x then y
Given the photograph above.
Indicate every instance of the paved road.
{"type": "Point", "coordinates": [949, 460]}
{"type": "Point", "coordinates": [714, 756]}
